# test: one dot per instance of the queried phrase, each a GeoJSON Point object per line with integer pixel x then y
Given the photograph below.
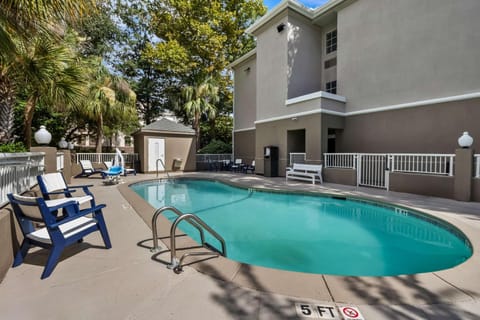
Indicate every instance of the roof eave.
{"type": "Point", "coordinates": [283, 5]}
{"type": "Point", "coordinates": [242, 59]}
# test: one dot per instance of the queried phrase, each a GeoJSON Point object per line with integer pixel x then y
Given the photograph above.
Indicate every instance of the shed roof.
{"type": "Point", "coordinates": [165, 125]}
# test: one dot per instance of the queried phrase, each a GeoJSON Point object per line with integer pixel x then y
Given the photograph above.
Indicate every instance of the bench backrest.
{"type": "Point", "coordinates": [307, 167]}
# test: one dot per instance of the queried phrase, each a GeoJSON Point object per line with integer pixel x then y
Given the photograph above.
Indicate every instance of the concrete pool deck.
{"type": "Point", "coordinates": [130, 282]}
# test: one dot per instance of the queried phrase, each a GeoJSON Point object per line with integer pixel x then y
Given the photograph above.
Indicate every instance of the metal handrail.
{"type": "Point", "coordinates": [158, 212]}
{"type": "Point", "coordinates": [163, 164]}
{"type": "Point", "coordinates": [196, 222]}
{"type": "Point", "coordinates": [176, 264]}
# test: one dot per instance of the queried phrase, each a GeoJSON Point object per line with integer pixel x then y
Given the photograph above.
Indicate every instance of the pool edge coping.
{"type": "Point", "coordinates": [334, 286]}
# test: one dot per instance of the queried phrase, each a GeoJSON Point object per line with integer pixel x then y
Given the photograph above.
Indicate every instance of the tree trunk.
{"type": "Point", "coordinates": [28, 118]}
{"type": "Point", "coordinates": [7, 101]}
{"type": "Point", "coordinates": [99, 134]}
{"type": "Point", "coordinates": [196, 127]}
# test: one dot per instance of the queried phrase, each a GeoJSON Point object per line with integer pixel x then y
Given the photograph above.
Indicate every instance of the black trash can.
{"type": "Point", "coordinates": [270, 166]}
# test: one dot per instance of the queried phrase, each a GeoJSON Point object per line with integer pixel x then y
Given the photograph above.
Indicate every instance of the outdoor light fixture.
{"type": "Point", "coordinates": [62, 144]}
{"type": "Point", "coordinates": [280, 27]}
{"type": "Point", "coordinates": [465, 140]}
{"type": "Point", "coordinates": [294, 118]}
{"type": "Point", "coordinates": [247, 69]}
{"type": "Point", "coordinates": [42, 136]}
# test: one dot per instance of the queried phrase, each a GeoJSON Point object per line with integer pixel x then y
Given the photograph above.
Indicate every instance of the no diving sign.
{"type": "Point", "coordinates": [325, 311]}
{"type": "Point", "coordinates": [350, 313]}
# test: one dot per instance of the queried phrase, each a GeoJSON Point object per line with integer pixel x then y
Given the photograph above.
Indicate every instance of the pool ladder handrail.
{"type": "Point", "coordinates": [195, 221]}
{"type": "Point", "coordinates": [164, 168]}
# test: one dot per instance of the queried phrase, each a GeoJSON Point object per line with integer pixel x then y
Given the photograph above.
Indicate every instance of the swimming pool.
{"type": "Point", "coordinates": [310, 233]}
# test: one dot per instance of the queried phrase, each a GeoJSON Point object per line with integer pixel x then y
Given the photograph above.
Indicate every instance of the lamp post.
{"type": "Point", "coordinates": [42, 136]}
{"type": "Point", "coordinates": [465, 141]}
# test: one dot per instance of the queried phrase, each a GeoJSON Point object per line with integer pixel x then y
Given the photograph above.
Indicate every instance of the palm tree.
{"type": "Point", "coordinates": [21, 18]}
{"type": "Point", "coordinates": [109, 97]}
{"type": "Point", "coordinates": [20, 21]}
{"type": "Point", "coordinates": [200, 99]}
{"type": "Point", "coordinates": [49, 73]}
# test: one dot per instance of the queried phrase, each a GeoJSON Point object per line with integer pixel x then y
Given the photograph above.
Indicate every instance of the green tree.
{"type": "Point", "coordinates": [198, 40]}
{"type": "Point", "coordinates": [20, 21]}
{"type": "Point", "coordinates": [109, 97]}
{"type": "Point", "coordinates": [150, 85]}
{"type": "Point", "coordinates": [22, 18]}
{"type": "Point", "coordinates": [200, 100]}
{"type": "Point", "coordinates": [49, 74]}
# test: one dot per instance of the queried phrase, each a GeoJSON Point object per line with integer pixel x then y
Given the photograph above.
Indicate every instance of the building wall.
{"type": "Point", "coordinates": [426, 129]}
{"type": "Point", "coordinates": [244, 104]}
{"type": "Point", "coordinates": [392, 52]}
{"type": "Point", "coordinates": [272, 69]}
{"type": "Point", "coordinates": [244, 146]}
{"type": "Point", "coordinates": [304, 56]}
{"type": "Point", "coordinates": [275, 134]}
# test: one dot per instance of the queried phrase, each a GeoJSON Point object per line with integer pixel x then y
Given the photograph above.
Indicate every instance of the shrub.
{"type": "Point", "coordinates": [13, 147]}
{"type": "Point", "coordinates": [216, 147]}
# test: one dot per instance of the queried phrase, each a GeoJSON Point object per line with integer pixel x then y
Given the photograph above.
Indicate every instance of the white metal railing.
{"type": "Point", "coordinates": [476, 159]}
{"type": "Point", "coordinates": [209, 157]}
{"type": "Point", "coordinates": [372, 170]}
{"type": "Point", "coordinates": [297, 157]}
{"type": "Point", "coordinates": [340, 160]}
{"type": "Point", "coordinates": [60, 161]}
{"type": "Point", "coordinates": [18, 172]}
{"type": "Point", "coordinates": [437, 164]}
{"type": "Point", "coordinates": [102, 157]}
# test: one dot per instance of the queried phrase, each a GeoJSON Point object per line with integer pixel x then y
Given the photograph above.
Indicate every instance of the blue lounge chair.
{"type": "Point", "coordinates": [56, 233]}
{"type": "Point", "coordinates": [112, 174]}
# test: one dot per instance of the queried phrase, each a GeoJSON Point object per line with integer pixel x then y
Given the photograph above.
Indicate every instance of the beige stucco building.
{"type": "Point", "coordinates": [359, 76]}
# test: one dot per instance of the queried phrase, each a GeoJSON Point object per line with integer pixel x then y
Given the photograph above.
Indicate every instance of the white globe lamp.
{"type": "Point", "coordinates": [62, 144]}
{"type": "Point", "coordinates": [465, 140]}
{"type": "Point", "coordinates": [42, 136]}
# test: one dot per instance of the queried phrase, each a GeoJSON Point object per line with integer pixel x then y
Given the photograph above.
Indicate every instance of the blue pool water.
{"type": "Point", "coordinates": [314, 234]}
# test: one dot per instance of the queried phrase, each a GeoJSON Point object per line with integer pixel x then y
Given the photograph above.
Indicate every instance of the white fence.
{"type": "Point", "coordinates": [297, 157]}
{"type": "Point", "coordinates": [340, 160]}
{"type": "Point", "coordinates": [437, 164]}
{"type": "Point", "coordinates": [476, 159]}
{"type": "Point", "coordinates": [208, 157]}
{"type": "Point", "coordinates": [131, 158]}
{"type": "Point", "coordinates": [373, 169]}
{"type": "Point", "coordinates": [18, 172]}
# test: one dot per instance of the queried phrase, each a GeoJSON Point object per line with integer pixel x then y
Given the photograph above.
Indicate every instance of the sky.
{"type": "Point", "coordinates": [308, 3]}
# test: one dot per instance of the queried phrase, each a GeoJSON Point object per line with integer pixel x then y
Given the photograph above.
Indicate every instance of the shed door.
{"type": "Point", "coordinates": [156, 150]}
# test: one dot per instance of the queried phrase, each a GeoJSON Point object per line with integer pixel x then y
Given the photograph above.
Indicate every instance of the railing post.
{"type": "Point", "coordinates": [450, 169]}
{"type": "Point", "coordinates": [358, 164]}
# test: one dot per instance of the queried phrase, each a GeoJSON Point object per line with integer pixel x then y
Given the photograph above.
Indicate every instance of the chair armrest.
{"type": "Point", "coordinates": [80, 186]}
{"type": "Point", "coordinates": [77, 214]}
{"type": "Point", "coordinates": [84, 187]}
{"type": "Point", "coordinates": [61, 192]}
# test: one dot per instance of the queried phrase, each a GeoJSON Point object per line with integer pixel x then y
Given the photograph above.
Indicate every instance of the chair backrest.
{"type": "Point", "coordinates": [87, 165]}
{"type": "Point", "coordinates": [108, 164]}
{"type": "Point", "coordinates": [28, 210]}
{"type": "Point", "coordinates": [50, 182]}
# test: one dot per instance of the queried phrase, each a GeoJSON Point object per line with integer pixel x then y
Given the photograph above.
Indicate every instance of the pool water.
{"type": "Point", "coordinates": [314, 234]}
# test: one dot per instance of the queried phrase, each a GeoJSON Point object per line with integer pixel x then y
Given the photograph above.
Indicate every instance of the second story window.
{"type": "Point", "coordinates": [331, 87]}
{"type": "Point", "coordinates": [331, 41]}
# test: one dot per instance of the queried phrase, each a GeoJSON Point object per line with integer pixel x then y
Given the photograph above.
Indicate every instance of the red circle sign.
{"type": "Point", "coordinates": [349, 312]}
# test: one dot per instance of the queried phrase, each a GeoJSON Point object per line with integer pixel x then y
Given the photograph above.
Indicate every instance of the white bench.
{"type": "Point", "coordinates": [306, 172]}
